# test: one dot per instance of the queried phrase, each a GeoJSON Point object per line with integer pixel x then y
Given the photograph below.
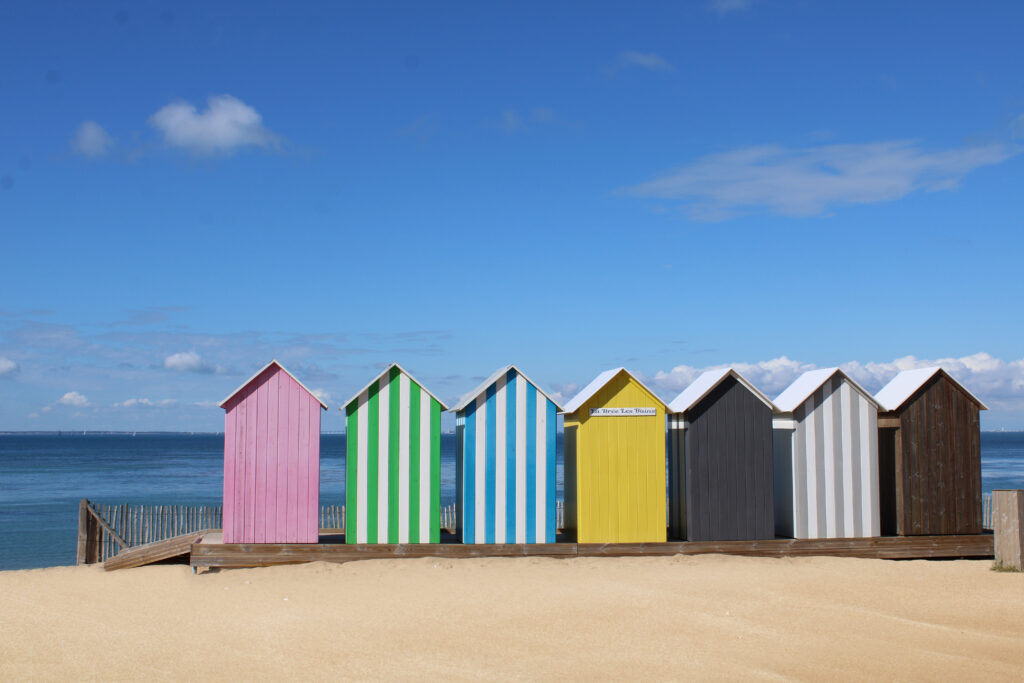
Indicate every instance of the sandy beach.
{"type": "Point", "coordinates": [648, 618]}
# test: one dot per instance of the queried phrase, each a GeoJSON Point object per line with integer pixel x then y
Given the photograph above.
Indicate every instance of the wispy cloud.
{"type": "Point", "coordinates": [808, 181]}
{"type": "Point", "coordinates": [513, 121]}
{"type": "Point", "coordinates": [7, 367]}
{"type": "Point", "coordinates": [996, 381]}
{"type": "Point", "coordinates": [149, 403]}
{"type": "Point", "coordinates": [73, 398]}
{"type": "Point", "coordinates": [321, 394]}
{"type": "Point", "coordinates": [1017, 127]}
{"type": "Point", "coordinates": [91, 140]}
{"type": "Point", "coordinates": [190, 361]}
{"type": "Point", "coordinates": [727, 6]}
{"type": "Point", "coordinates": [643, 60]}
{"type": "Point", "coordinates": [225, 125]}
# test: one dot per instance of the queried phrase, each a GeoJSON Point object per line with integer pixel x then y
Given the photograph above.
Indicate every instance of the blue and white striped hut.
{"type": "Point", "coordinates": [505, 461]}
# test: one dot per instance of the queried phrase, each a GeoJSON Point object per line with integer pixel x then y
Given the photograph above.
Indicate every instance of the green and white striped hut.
{"type": "Point", "coordinates": [393, 462]}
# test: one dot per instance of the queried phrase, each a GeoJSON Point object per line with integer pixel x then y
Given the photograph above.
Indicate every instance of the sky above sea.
{"type": "Point", "coordinates": [189, 190]}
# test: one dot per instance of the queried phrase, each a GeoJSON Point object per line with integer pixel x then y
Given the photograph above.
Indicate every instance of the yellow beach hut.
{"type": "Point", "coordinates": [615, 462]}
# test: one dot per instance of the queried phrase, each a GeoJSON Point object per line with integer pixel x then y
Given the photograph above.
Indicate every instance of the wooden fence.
{"type": "Point", "coordinates": [105, 530]}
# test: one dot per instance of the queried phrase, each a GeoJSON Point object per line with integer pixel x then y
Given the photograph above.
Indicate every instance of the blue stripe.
{"type": "Point", "coordinates": [510, 457]}
{"type": "Point", "coordinates": [531, 463]}
{"type": "Point", "coordinates": [489, 465]}
{"type": "Point", "coordinates": [469, 472]}
{"type": "Point", "coordinates": [549, 501]}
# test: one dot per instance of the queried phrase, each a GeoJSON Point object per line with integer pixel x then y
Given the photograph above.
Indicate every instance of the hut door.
{"type": "Point", "coordinates": [887, 479]}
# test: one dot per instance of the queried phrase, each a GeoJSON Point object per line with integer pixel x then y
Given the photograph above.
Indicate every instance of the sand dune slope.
{"type": "Point", "coordinates": [659, 618]}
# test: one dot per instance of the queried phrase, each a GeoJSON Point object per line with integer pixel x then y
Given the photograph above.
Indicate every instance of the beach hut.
{"type": "Point", "coordinates": [929, 455]}
{"type": "Point", "coordinates": [826, 458]}
{"type": "Point", "coordinates": [272, 460]}
{"type": "Point", "coordinates": [505, 461]}
{"type": "Point", "coordinates": [393, 462]}
{"type": "Point", "coordinates": [614, 467]}
{"type": "Point", "coordinates": [720, 460]}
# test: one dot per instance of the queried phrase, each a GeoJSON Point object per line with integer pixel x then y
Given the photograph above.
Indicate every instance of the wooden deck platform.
{"type": "Point", "coordinates": [209, 552]}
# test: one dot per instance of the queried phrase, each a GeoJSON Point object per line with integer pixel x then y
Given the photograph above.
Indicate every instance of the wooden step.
{"type": "Point", "coordinates": [154, 552]}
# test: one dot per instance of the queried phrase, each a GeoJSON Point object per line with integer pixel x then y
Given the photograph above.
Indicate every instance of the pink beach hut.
{"type": "Point", "coordinates": [272, 460]}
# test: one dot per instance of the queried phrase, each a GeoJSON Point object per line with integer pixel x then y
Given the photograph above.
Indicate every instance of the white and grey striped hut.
{"type": "Point", "coordinates": [825, 439]}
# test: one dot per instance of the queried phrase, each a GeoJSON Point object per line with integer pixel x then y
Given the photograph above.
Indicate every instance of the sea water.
{"type": "Point", "coordinates": [44, 476]}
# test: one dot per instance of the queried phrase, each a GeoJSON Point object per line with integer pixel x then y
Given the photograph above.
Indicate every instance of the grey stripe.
{"type": "Point", "coordinates": [800, 475]}
{"type": "Point", "coordinates": [876, 517]}
{"type": "Point", "coordinates": [819, 462]}
{"type": "Point", "coordinates": [857, 458]}
{"type": "Point", "coordinates": [837, 455]}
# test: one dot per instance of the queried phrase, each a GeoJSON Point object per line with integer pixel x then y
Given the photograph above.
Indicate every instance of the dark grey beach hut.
{"type": "Point", "coordinates": [720, 460]}
{"type": "Point", "coordinates": [929, 455]}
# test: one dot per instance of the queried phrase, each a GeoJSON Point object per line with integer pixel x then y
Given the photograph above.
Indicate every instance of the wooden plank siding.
{"type": "Point", "coordinates": [936, 462]}
{"type": "Point", "coordinates": [271, 460]}
{"type": "Point", "coordinates": [618, 466]}
{"type": "Point", "coordinates": [393, 433]}
{"type": "Point", "coordinates": [505, 462]}
{"type": "Point", "coordinates": [826, 465]}
{"type": "Point", "coordinates": [721, 460]}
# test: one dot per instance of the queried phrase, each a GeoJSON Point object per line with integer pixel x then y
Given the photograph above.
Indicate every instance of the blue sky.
{"type": "Point", "coordinates": [187, 191]}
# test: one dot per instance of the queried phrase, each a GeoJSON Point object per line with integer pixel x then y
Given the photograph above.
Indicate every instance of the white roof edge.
{"type": "Point", "coordinates": [408, 374]}
{"type": "Point", "coordinates": [482, 387]}
{"type": "Point", "coordinates": [596, 384]}
{"type": "Point", "coordinates": [788, 404]}
{"type": "Point", "coordinates": [260, 372]}
{"type": "Point", "coordinates": [678, 406]}
{"type": "Point", "coordinates": [907, 382]}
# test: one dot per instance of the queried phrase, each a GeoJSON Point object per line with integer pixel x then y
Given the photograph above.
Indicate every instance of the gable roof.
{"type": "Point", "coordinates": [809, 382]}
{"type": "Point", "coordinates": [260, 372]}
{"type": "Point", "coordinates": [386, 371]}
{"type": "Point", "coordinates": [597, 384]}
{"type": "Point", "coordinates": [906, 383]}
{"type": "Point", "coordinates": [482, 387]}
{"type": "Point", "coordinates": [702, 386]}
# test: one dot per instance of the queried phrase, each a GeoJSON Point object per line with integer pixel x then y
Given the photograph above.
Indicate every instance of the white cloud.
{"type": "Point", "coordinates": [563, 392]}
{"type": "Point", "coordinates": [322, 394]}
{"type": "Point", "coordinates": [643, 60]}
{"type": "Point", "coordinates": [726, 6]}
{"type": "Point", "coordinates": [132, 402]}
{"type": "Point", "coordinates": [7, 367]}
{"type": "Point", "coordinates": [807, 181]}
{"type": "Point", "coordinates": [993, 380]}
{"type": "Point", "coordinates": [190, 361]}
{"type": "Point", "coordinates": [226, 124]}
{"type": "Point", "coordinates": [73, 398]}
{"type": "Point", "coordinates": [91, 140]}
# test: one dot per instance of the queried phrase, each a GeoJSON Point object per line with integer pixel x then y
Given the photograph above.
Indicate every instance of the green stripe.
{"type": "Point", "coordinates": [414, 462]}
{"type": "Point", "coordinates": [372, 419]}
{"type": "Point", "coordinates": [394, 419]}
{"type": "Point", "coordinates": [351, 473]}
{"type": "Point", "coordinates": [435, 471]}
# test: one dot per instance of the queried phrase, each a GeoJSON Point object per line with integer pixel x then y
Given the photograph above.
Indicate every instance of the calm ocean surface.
{"type": "Point", "coordinates": [42, 478]}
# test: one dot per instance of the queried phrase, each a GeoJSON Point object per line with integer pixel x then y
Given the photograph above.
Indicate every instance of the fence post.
{"type": "Point", "coordinates": [83, 531]}
{"type": "Point", "coordinates": [1008, 527]}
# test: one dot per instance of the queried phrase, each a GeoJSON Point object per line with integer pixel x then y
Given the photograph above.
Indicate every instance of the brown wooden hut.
{"type": "Point", "coordinates": [929, 455]}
